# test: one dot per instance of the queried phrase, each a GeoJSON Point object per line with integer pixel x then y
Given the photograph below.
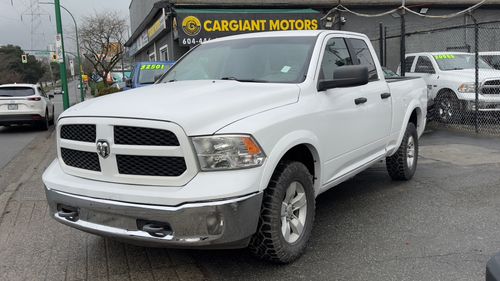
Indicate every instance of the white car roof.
{"type": "Point", "coordinates": [290, 33]}
{"type": "Point", "coordinates": [19, 85]}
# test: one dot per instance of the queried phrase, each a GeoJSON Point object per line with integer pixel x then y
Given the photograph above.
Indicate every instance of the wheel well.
{"type": "Point", "coordinates": [301, 153]}
{"type": "Point", "coordinates": [414, 118]}
{"type": "Point", "coordinates": [444, 91]}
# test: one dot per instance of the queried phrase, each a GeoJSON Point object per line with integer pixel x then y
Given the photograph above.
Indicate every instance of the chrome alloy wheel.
{"type": "Point", "coordinates": [410, 152]}
{"type": "Point", "coordinates": [293, 212]}
{"type": "Point", "coordinates": [445, 110]}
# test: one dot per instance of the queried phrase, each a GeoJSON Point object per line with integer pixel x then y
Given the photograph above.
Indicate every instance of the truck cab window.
{"type": "Point", "coordinates": [336, 54]}
{"type": "Point", "coordinates": [424, 65]}
{"type": "Point", "coordinates": [362, 54]}
{"type": "Point", "coordinates": [409, 63]}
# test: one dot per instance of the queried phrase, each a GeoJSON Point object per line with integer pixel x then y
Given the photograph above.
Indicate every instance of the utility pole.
{"type": "Point", "coordinates": [82, 95]}
{"type": "Point", "coordinates": [62, 65]}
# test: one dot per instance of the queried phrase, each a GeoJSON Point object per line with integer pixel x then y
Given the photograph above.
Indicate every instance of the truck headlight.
{"type": "Point", "coordinates": [228, 152]}
{"type": "Point", "coordinates": [467, 88]}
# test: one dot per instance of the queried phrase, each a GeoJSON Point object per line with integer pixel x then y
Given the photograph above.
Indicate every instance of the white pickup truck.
{"type": "Point", "coordinates": [232, 146]}
{"type": "Point", "coordinates": [451, 81]}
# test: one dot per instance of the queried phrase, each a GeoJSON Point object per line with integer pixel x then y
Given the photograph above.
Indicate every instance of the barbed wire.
{"type": "Point", "coordinates": [342, 8]}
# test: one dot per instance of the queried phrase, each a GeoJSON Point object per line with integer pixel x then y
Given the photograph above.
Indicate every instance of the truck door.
{"type": "Point", "coordinates": [356, 120]}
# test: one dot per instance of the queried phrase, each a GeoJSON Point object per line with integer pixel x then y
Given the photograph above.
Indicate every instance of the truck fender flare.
{"type": "Point", "coordinates": [286, 143]}
{"type": "Point", "coordinates": [421, 120]}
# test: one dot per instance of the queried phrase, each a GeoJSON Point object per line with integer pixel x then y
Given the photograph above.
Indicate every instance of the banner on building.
{"type": "Point", "coordinates": [196, 26]}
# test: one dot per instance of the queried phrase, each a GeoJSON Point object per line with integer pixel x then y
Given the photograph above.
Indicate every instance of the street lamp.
{"type": "Point", "coordinates": [82, 95]}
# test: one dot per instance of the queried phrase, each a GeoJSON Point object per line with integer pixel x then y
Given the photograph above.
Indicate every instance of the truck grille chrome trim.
{"type": "Point", "coordinates": [142, 152]}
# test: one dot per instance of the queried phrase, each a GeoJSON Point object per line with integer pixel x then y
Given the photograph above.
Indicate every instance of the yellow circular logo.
{"type": "Point", "coordinates": [191, 25]}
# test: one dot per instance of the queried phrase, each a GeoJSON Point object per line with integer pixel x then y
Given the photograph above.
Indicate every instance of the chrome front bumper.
{"type": "Point", "coordinates": [218, 225]}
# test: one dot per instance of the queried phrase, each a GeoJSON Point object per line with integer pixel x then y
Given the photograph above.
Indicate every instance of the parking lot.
{"type": "Point", "coordinates": [442, 225]}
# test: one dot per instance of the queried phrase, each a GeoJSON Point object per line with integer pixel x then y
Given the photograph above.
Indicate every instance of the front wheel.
{"type": "Point", "coordinates": [447, 108]}
{"type": "Point", "coordinates": [286, 216]}
{"type": "Point", "coordinates": [403, 164]}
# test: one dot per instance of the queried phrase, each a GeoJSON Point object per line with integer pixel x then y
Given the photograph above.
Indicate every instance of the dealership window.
{"type": "Point", "coordinates": [152, 56]}
{"type": "Point", "coordinates": [409, 63]}
{"type": "Point", "coordinates": [336, 54]}
{"type": "Point", "coordinates": [364, 57]}
{"type": "Point", "coordinates": [164, 53]}
{"type": "Point", "coordinates": [424, 65]}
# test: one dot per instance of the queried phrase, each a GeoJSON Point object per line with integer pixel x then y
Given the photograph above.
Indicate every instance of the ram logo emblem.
{"type": "Point", "coordinates": [103, 148]}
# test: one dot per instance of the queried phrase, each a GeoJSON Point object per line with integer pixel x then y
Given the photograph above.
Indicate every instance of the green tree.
{"type": "Point", "coordinates": [12, 70]}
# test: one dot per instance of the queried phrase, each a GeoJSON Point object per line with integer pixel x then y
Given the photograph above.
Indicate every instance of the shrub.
{"type": "Point", "coordinates": [107, 91]}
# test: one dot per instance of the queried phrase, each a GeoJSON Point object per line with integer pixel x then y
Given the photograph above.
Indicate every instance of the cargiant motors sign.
{"type": "Point", "coordinates": [197, 26]}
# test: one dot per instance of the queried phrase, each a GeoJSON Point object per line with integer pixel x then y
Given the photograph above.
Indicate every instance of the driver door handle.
{"type": "Point", "coordinates": [360, 101]}
{"type": "Point", "coordinates": [385, 96]}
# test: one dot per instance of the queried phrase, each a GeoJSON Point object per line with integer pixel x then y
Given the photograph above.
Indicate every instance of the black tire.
{"type": "Point", "coordinates": [44, 123]}
{"type": "Point", "coordinates": [51, 121]}
{"type": "Point", "coordinates": [269, 243]}
{"type": "Point", "coordinates": [447, 108]}
{"type": "Point", "coordinates": [397, 164]}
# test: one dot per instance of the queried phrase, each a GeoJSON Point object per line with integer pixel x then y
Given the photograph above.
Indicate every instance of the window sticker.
{"type": "Point", "coordinates": [152, 66]}
{"type": "Point", "coordinates": [285, 69]}
{"type": "Point", "coordinates": [444, 57]}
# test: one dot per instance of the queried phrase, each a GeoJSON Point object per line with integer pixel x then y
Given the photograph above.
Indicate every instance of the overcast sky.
{"type": "Point", "coordinates": [15, 31]}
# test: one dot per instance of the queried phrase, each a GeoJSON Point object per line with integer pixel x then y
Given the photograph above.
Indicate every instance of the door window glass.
{"type": "Point", "coordinates": [364, 57]}
{"type": "Point", "coordinates": [336, 55]}
{"type": "Point", "coordinates": [409, 63]}
{"type": "Point", "coordinates": [424, 65]}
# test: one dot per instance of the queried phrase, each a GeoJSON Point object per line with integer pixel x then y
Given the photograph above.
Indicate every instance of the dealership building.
{"type": "Point", "coordinates": [166, 29]}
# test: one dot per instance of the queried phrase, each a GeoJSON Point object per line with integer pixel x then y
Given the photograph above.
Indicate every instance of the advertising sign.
{"type": "Point", "coordinates": [201, 25]}
{"type": "Point", "coordinates": [59, 52]}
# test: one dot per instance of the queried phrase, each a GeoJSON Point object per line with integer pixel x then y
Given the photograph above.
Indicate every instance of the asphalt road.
{"type": "Point", "coordinates": [15, 138]}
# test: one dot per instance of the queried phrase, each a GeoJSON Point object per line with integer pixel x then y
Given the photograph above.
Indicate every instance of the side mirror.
{"type": "Point", "coordinates": [346, 76]}
{"type": "Point", "coordinates": [128, 83]}
{"type": "Point", "coordinates": [51, 96]}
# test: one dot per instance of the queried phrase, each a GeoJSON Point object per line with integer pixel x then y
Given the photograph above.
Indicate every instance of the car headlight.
{"type": "Point", "coordinates": [228, 152]}
{"type": "Point", "coordinates": [467, 88]}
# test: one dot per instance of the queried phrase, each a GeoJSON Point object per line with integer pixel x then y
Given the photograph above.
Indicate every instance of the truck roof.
{"type": "Point", "coordinates": [437, 53]}
{"type": "Point", "coordinates": [298, 33]}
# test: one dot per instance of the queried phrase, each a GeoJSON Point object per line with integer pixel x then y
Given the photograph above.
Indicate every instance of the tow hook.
{"type": "Point", "coordinates": [155, 229]}
{"type": "Point", "coordinates": [69, 213]}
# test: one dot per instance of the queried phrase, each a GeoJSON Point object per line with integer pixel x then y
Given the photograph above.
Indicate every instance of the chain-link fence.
{"type": "Point", "coordinates": [457, 53]}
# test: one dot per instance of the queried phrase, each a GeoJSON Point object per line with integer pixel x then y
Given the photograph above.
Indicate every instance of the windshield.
{"type": "Point", "coordinates": [458, 62]}
{"type": "Point", "coordinates": [266, 60]}
{"type": "Point", "coordinates": [150, 72]}
{"type": "Point", "coordinates": [16, 92]}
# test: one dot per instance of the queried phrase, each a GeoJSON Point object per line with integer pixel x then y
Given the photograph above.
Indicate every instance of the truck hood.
{"type": "Point", "coordinates": [199, 107]}
{"type": "Point", "coordinates": [468, 75]}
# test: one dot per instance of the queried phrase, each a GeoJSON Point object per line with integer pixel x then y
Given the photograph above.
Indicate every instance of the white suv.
{"type": "Point", "coordinates": [25, 104]}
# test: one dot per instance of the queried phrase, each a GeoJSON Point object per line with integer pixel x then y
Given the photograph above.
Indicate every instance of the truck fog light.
{"type": "Point", "coordinates": [228, 152]}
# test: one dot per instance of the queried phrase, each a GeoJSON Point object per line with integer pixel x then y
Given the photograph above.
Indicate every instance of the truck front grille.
{"type": "Point", "coordinates": [79, 132]}
{"type": "Point", "coordinates": [144, 136]}
{"type": "Point", "coordinates": [81, 159]}
{"type": "Point", "coordinates": [150, 165]}
{"type": "Point", "coordinates": [131, 151]}
{"type": "Point", "coordinates": [491, 87]}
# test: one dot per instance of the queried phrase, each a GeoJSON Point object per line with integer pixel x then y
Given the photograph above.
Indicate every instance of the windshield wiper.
{"type": "Point", "coordinates": [244, 80]}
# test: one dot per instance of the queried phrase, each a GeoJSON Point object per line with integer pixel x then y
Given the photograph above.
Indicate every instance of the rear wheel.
{"type": "Point", "coordinates": [44, 123]}
{"type": "Point", "coordinates": [403, 164]}
{"type": "Point", "coordinates": [51, 122]}
{"type": "Point", "coordinates": [286, 216]}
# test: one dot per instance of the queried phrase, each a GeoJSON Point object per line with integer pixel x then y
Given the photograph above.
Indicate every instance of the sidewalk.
{"type": "Point", "coordinates": [35, 247]}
